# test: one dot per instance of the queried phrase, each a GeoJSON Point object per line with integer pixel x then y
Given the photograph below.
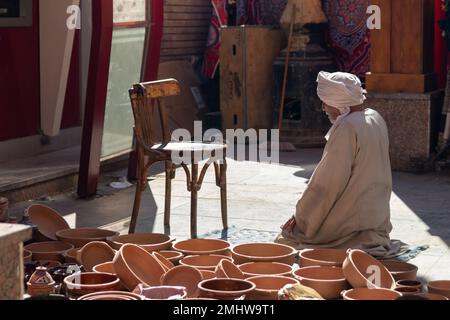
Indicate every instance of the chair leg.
{"type": "Point", "coordinates": [168, 194]}
{"type": "Point", "coordinates": [223, 193]}
{"type": "Point", "coordinates": [194, 197]}
{"type": "Point", "coordinates": [136, 207]}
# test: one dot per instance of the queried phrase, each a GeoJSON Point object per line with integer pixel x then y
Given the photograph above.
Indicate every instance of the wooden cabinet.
{"type": "Point", "coordinates": [402, 50]}
{"type": "Point", "coordinates": [246, 75]}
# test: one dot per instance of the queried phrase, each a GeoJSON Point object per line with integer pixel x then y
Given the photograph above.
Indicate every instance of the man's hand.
{"type": "Point", "coordinates": [289, 225]}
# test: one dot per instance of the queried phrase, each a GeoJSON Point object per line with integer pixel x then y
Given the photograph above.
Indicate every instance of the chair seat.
{"type": "Point", "coordinates": [189, 146]}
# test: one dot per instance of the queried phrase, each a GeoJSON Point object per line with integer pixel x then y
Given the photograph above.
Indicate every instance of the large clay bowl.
{"type": "Point", "coordinates": [227, 269]}
{"type": "Point", "coordinates": [208, 262]}
{"type": "Point", "coordinates": [48, 221]}
{"type": "Point", "coordinates": [432, 296]}
{"type": "Point", "coordinates": [441, 287]}
{"type": "Point", "coordinates": [113, 296]}
{"type": "Point", "coordinates": [52, 250]}
{"type": "Point", "coordinates": [401, 270]}
{"type": "Point", "coordinates": [359, 267]}
{"type": "Point", "coordinates": [172, 256]}
{"type": "Point", "coordinates": [329, 282]}
{"type": "Point", "coordinates": [183, 276]}
{"type": "Point", "coordinates": [253, 269]}
{"type": "Point", "coordinates": [149, 241]}
{"type": "Point", "coordinates": [322, 257]}
{"type": "Point", "coordinates": [95, 253]}
{"type": "Point", "coordinates": [196, 247]}
{"type": "Point", "coordinates": [72, 256]}
{"type": "Point", "coordinates": [267, 287]}
{"type": "Point", "coordinates": [264, 252]}
{"type": "Point", "coordinates": [371, 294]}
{"type": "Point", "coordinates": [225, 289]}
{"type": "Point", "coordinates": [80, 284]}
{"type": "Point", "coordinates": [27, 256]}
{"type": "Point", "coordinates": [107, 267]}
{"type": "Point", "coordinates": [135, 265]}
{"type": "Point", "coordinates": [82, 236]}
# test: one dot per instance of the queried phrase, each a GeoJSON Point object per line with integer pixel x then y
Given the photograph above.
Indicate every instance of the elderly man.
{"type": "Point", "coordinates": [346, 203]}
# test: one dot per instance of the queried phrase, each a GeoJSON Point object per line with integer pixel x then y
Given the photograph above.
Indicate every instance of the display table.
{"type": "Point", "coordinates": [12, 237]}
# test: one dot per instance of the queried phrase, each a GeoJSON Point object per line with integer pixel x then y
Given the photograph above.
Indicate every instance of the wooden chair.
{"type": "Point", "coordinates": [146, 98]}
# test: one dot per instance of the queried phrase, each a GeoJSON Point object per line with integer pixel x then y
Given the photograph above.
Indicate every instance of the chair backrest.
{"type": "Point", "coordinates": [145, 98]}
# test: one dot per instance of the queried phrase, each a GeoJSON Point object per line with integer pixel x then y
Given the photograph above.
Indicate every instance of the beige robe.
{"type": "Point", "coordinates": [346, 204]}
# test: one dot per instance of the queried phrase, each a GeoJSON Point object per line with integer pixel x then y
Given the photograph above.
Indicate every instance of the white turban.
{"type": "Point", "coordinates": [340, 90]}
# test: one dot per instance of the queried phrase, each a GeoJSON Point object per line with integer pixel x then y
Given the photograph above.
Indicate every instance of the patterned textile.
{"type": "Point", "coordinates": [348, 35]}
{"type": "Point", "coordinates": [212, 52]}
{"type": "Point", "coordinates": [260, 12]}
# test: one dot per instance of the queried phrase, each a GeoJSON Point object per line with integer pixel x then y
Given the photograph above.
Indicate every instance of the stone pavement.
{"type": "Point", "coordinates": [262, 197]}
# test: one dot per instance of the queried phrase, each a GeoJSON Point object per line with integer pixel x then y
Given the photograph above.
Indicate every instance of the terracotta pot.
{"type": "Point", "coordinates": [107, 267]}
{"type": "Point", "coordinates": [95, 253]}
{"type": "Point", "coordinates": [172, 256]}
{"type": "Point", "coordinates": [322, 257]}
{"type": "Point", "coordinates": [134, 265]}
{"type": "Point", "coordinates": [359, 267]}
{"type": "Point", "coordinates": [41, 283]}
{"type": "Point", "coordinates": [183, 276]}
{"type": "Point", "coordinates": [27, 256]}
{"type": "Point", "coordinates": [149, 241]}
{"type": "Point", "coordinates": [253, 269]}
{"type": "Point", "coordinates": [197, 247]}
{"type": "Point", "coordinates": [411, 284]}
{"type": "Point", "coordinates": [401, 270]}
{"type": "Point", "coordinates": [52, 250]}
{"type": "Point", "coordinates": [329, 282]}
{"type": "Point", "coordinates": [371, 294]}
{"type": "Point", "coordinates": [264, 252]}
{"type": "Point", "coordinates": [113, 295]}
{"type": "Point", "coordinates": [48, 221]}
{"type": "Point", "coordinates": [72, 256]}
{"type": "Point", "coordinates": [267, 287]}
{"type": "Point", "coordinates": [227, 269]}
{"type": "Point", "coordinates": [206, 275]}
{"type": "Point", "coordinates": [204, 262]}
{"type": "Point", "coordinates": [408, 290]}
{"type": "Point", "coordinates": [441, 287]}
{"type": "Point", "coordinates": [432, 296]}
{"type": "Point", "coordinates": [80, 284]}
{"type": "Point", "coordinates": [226, 289]}
{"type": "Point", "coordinates": [166, 264]}
{"type": "Point", "coordinates": [82, 236]}
{"type": "Point", "coordinates": [162, 292]}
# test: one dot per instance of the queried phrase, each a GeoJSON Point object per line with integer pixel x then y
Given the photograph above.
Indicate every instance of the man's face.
{"type": "Point", "coordinates": [332, 112]}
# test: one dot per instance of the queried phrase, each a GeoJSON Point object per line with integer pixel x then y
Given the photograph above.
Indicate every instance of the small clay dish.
{"type": "Point", "coordinates": [95, 253]}
{"type": "Point", "coordinates": [264, 252]}
{"type": "Point", "coordinates": [204, 262]}
{"type": "Point", "coordinates": [227, 269]}
{"type": "Point", "coordinates": [183, 276]}
{"type": "Point", "coordinates": [196, 247]}
{"type": "Point", "coordinates": [322, 257]}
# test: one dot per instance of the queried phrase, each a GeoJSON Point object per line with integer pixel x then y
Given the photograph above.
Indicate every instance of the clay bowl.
{"type": "Point", "coordinates": [264, 252]}
{"type": "Point", "coordinates": [206, 275]}
{"type": "Point", "coordinates": [95, 253]}
{"type": "Point", "coordinates": [82, 236]}
{"type": "Point", "coordinates": [441, 287]}
{"type": "Point", "coordinates": [197, 247]}
{"type": "Point", "coordinates": [80, 284]}
{"type": "Point", "coordinates": [401, 270]}
{"type": "Point", "coordinates": [149, 241]}
{"type": "Point", "coordinates": [172, 256]}
{"type": "Point", "coordinates": [113, 295]}
{"type": "Point", "coordinates": [411, 284]}
{"type": "Point", "coordinates": [225, 289]}
{"type": "Point", "coordinates": [227, 269]}
{"type": "Point", "coordinates": [208, 262]}
{"type": "Point", "coordinates": [72, 256]}
{"type": "Point", "coordinates": [47, 220]}
{"type": "Point", "coordinates": [27, 256]}
{"type": "Point", "coordinates": [432, 296]}
{"type": "Point", "coordinates": [107, 267]}
{"type": "Point", "coordinates": [183, 276]}
{"type": "Point", "coordinates": [134, 265]}
{"type": "Point", "coordinates": [329, 282]}
{"type": "Point", "coordinates": [322, 257]}
{"type": "Point", "coordinates": [408, 290]}
{"type": "Point", "coordinates": [166, 264]}
{"type": "Point", "coordinates": [359, 267]}
{"type": "Point", "coordinates": [253, 269]}
{"type": "Point", "coordinates": [371, 294]}
{"type": "Point", "coordinates": [52, 250]}
{"type": "Point", "coordinates": [267, 287]}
